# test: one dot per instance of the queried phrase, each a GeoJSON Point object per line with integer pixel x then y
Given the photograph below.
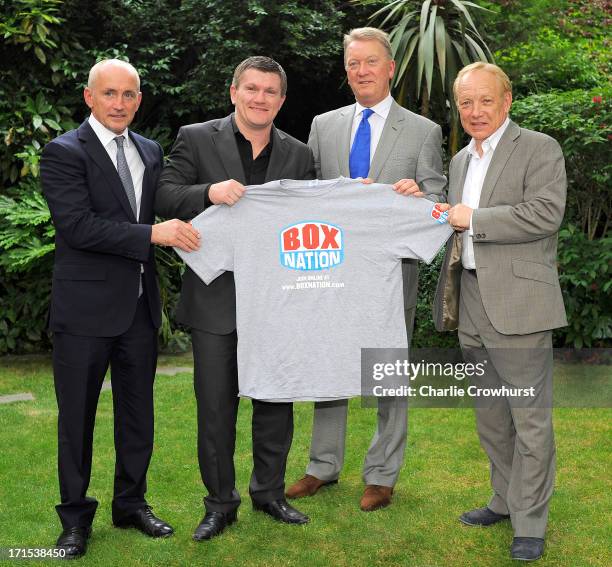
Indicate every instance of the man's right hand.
{"type": "Point", "coordinates": [228, 192]}
{"type": "Point", "coordinates": [177, 233]}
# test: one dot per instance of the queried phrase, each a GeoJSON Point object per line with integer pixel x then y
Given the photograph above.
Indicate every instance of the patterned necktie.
{"type": "Point", "coordinates": [124, 174]}
{"type": "Point", "coordinates": [359, 158]}
{"type": "Point", "coordinates": [126, 180]}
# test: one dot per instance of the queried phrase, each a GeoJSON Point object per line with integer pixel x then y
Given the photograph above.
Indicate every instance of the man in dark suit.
{"type": "Point", "coordinates": [210, 164]}
{"type": "Point", "coordinates": [100, 182]}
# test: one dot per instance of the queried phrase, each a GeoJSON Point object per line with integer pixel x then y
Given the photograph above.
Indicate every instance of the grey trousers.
{"type": "Point", "coordinates": [385, 455]}
{"type": "Point", "coordinates": [516, 434]}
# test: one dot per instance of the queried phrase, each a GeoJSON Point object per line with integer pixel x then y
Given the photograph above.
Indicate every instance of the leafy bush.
{"type": "Point", "coordinates": [581, 121]}
{"type": "Point", "coordinates": [584, 273]}
{"type": "Point", "coordinates": [425, 334]}
{"type": "Point", "coordinates": [547, 62]}
{"type": "Point", "coordinates": [26, 239]}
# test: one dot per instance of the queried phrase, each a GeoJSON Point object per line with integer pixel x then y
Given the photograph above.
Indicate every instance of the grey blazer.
{"type": "Point", "coordinates": [515, 236]}
{"type": "Point", "coordinates": [410, 147]}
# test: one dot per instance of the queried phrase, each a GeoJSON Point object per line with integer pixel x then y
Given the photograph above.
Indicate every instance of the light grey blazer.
{"type": "Point", "coordinates": [410, 147]}
{"type": "Point", "coordinates": [515, 236]}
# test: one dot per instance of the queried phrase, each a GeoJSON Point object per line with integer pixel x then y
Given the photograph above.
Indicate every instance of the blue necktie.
{"type": "Point", "coordinates": [359, 158]}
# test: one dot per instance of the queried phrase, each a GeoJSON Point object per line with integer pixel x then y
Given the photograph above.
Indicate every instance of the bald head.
{"type": "Point", "coordinates": [108, 64]}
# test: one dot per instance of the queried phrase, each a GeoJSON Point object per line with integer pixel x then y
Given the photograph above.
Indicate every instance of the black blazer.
{"type": "Point", "coordinates": [204, 154]}
{"type": "Point", "coordinates": [99, 244]}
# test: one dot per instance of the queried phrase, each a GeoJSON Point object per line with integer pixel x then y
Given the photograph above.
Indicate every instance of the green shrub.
{"type": "Point", "coordinates": [549, 62]}
{"type": "Point", "coordinates": [425, 334]}
{"type": "Point", "coordinates": [584, 273]}
{"type": "Point", "coordinates": [581, 121]}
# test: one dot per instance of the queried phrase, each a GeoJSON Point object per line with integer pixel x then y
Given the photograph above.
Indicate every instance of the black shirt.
{"type": "Point", "coordinates": [254, 169]}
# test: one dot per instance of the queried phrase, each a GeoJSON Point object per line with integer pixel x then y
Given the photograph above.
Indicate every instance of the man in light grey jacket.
{"type": "Point", "coordinates": [378, 139]}
{"type": "Point", "coordinates": [499, 286]}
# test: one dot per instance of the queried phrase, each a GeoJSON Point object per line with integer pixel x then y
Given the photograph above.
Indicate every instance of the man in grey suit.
{"type": "Point", "coordinates": [210, 164]}
{"type": "Point", "coordinates": [499, 286]}
{"type": "Point", "coordinates": [403, 146]}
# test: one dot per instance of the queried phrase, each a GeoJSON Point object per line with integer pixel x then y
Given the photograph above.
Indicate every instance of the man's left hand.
{"type": "Point", "coordinates": [459, 217]}
{"type": "Point", "coordinates": [408, 187]}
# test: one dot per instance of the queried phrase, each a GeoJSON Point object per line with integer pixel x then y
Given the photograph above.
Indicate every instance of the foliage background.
{"type": "Point", "coordinates": [556, 53]}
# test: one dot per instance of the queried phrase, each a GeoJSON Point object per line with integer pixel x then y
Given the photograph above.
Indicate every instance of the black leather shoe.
{"type": "Point", "coordinates": [147, 522]}
{"type": "Point", "coordinates": [482, 517]}
{"type": "Point", "coordinates": [527, 548]}
{"type": "Point", "coordinates": [213, 524]}
{"type": "Point", "coordinates": [73, 541]}
{"type": "Point", "coordinates": [283, 512]}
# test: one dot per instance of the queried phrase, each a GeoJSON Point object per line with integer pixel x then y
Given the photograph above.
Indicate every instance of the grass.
{"type": "Point", "coordinates": [445, 473]}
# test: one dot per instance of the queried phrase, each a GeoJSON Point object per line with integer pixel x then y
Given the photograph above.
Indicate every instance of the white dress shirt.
{"type": "Point", "coordinates": [475, 176]}
{"type": "Point", "coordinates": [376, 120]}
{"type": "Point", "coordinates": [134, 161]}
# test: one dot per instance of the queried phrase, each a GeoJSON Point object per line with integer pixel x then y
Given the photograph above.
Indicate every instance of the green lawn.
{"type": "Point", "coordinates": [445, 473]}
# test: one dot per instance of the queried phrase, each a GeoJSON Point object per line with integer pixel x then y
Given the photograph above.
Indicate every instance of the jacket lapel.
{"type": "Point", "coordinates": [343, 138]}
{"type": "Point", "coordinates": [394, 124]}
{"type": "Point", "coordinates": [456, 189]}
{"type": "Point", "coordinates": [278, 159]}
{"type": "Point", "coordinates": [148, 191]}
{"type": "Point", "coordinates": [224, 141]}
{"type": "Point", "coordinates": [100, 157]}
{"type": "Point", "coordinates": [503, 151]}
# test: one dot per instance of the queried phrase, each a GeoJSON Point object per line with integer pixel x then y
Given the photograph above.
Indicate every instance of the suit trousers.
{"type": "Point", "coordinates": [516, 433]}
{"type": "Point", "coordinates": [385, 455]}
{"type": "Point", "coordinates": [216, 390]}
{"type": "Point", "coordinates": [79, 366]}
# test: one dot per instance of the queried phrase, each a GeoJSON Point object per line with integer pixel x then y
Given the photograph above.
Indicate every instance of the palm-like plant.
{"type": "Point", "coordinates": [439, 35]}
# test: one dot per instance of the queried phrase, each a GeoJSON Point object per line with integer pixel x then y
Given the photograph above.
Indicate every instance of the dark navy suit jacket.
{"type": "Point", "coordinates": [99, 244]}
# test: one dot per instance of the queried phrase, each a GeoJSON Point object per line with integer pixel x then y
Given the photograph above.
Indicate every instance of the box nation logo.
{"type": "Point", "coordinates": [311, 245]}
{"type": "Point", "coordinates": [438, 214]}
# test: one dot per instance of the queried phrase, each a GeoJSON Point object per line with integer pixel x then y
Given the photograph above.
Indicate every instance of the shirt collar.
{"type": "Point", "coordinates": [240, 135]}
{"type": "Point", "coordinates": [105, 135]}
{"type": "Point", "coordinates": [382, 108]}
{"type": "Point", "coordinates": [490, 143]}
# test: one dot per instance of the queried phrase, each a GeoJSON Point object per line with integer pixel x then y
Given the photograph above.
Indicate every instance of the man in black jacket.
{"type": "Point", "coordinates": [210, 164]}
{"type": "Point", "coordinates": [100, 182]}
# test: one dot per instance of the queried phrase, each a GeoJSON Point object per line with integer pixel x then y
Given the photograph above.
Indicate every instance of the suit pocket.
{"type": "Point", "coordinates": [534, 271]}
{"type": "Point", "coordinates": [86, 273]}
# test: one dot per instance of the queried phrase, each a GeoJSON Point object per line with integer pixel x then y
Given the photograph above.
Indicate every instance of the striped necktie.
{"type": "Point", "coordinates": [128, 185]}
{"type": "Point", "coordinates": [124, 174]}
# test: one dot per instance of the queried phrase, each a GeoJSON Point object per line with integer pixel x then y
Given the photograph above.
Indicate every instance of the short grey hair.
{"type": "Point", "coordinates": [489, 68]}
{"type": "Point", "coordinates": [368, 34]}
{"type": "Point", "coordinates": [263, 64]}
{"type": "Point", "coordinates": [95, 70]}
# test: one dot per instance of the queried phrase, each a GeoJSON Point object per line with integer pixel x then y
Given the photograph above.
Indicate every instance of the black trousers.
{"type": "Point", "coordinates": [79, 366]}
{"type": "Point", "coordinates": [216, 390]}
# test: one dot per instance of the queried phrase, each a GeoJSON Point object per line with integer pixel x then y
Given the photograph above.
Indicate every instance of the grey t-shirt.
{"type": "Point", "coordinates": [317, 266]}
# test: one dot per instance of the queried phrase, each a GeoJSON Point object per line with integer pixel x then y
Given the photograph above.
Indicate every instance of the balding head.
{"type": "Point", "coordinates": [108, 63]}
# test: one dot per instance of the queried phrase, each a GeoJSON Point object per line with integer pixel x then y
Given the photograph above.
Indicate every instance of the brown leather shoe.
{"type": "Point", "coordinates": [307, 486]}
{"type": "Point", "coordinates": [375, 497]}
